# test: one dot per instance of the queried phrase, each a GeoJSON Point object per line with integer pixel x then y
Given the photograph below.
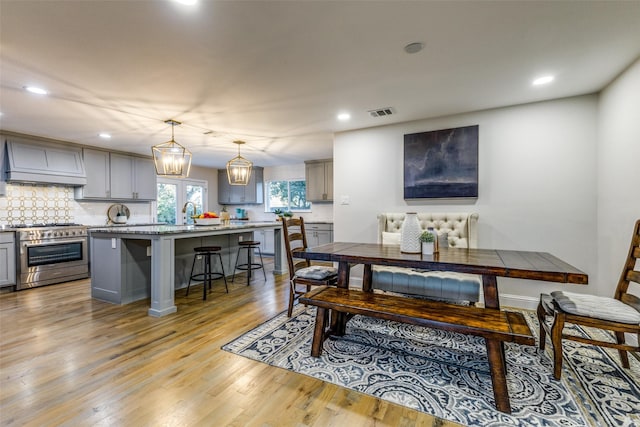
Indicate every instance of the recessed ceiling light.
{"type": "Point", "coordinates": [104, 135]}
{"type": "Point", "coordinates": [414, 47]}
{"type": "Point", "coordinates": [542, 80]}
{"type": "Point", "coordinates": [343, 117]}
{"type": "Point", "coordinates": [36, 90]}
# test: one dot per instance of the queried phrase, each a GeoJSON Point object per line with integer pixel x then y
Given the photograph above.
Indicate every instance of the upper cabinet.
{"type": "Point", "coordinates": [251, 193]}
{"type": "Point", "coordinates": [114, 176]}
{"type": "Point", "coordinates": [31, 160]}
{"type": "Point", "coordinates": [319, 176]}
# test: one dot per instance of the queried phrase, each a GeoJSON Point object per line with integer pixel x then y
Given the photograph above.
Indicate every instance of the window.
{"type": "Point", "coordinates": [287, 195]}
{"type": "Point", "coordinates": [173, 194]}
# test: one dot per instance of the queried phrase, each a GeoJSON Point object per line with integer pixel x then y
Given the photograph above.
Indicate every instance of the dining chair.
{"type": "Point", "coordinates": [301, 272]}
{"type": "Point", "coordinates": [620, 314]}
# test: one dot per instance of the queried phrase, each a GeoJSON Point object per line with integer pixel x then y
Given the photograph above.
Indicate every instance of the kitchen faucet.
{"type": "Point", "coordinates": [184, 208]}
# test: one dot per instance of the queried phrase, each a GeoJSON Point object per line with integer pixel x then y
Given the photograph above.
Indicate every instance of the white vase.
{"type": "Point", "coordinates": [410, 234]}
{"type": "Point", "coordinates": [427, 248]}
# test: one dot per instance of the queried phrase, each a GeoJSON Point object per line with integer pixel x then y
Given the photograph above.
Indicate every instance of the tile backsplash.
{"type": "Point", "coordinates": [40, 203]}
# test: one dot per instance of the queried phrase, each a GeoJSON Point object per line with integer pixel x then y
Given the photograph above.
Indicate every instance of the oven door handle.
{"type": "Point", "coordinates": [37, 243]}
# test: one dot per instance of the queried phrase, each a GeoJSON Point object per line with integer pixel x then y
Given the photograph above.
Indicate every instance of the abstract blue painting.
{"type": "Point", "coordinates": [441, 163]}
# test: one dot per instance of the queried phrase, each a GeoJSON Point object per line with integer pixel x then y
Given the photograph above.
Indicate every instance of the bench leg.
{"type": "Point", "coordinates": [318, 332]}
{"type": "Point", "coordinates": [498, 375]}
{"type": "Point", "coordinates": [542, 314]}
{"type": "Point", "coordinates": [556, 340]}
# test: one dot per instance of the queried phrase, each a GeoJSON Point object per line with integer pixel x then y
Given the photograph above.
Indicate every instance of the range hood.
{"type": "Point", "coordinates": [43, 162]}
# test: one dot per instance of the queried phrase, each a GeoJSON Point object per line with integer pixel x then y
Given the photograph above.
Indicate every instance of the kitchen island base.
{"type": "Point", "coordinates": [133, 263]}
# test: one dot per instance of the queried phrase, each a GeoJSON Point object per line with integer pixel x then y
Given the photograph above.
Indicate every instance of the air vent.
{"type": "Point", "coordinates": [381, 112]}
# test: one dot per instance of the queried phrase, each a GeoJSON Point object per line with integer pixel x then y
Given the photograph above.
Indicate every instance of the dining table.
{"type": "Point", "coordinates": [488, 263]}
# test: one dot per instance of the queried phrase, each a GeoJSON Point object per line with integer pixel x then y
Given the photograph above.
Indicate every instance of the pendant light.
{"type": "Point", "coordinates": [239, 168]}
{"type": "Point", "coordinates": [171, 159]}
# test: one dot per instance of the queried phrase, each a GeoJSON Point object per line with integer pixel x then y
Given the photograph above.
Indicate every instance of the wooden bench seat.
{"type": "Point", "coordinates": [495, 326]}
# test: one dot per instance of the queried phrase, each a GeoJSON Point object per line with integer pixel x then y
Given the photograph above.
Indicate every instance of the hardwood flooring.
{"type": "Point", "coordinates": [66, 359]}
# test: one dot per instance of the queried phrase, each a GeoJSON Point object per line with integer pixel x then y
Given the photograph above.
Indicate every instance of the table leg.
{"type": "Point", "coordinates": [367, 278]}
{"type": "Point", "coordinates": [498, 375]}
{"type": "Point", "coordinates": [339, 320]}
{"type": "Point", "coordinates": [490, 289]}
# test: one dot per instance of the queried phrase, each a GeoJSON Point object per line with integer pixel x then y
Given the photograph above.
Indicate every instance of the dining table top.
{"type": "Point", "coordinates": [491, 262]}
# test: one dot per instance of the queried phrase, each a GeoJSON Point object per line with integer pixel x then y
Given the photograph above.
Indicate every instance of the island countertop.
{"type": "Point", "coordinates": [182, 229]}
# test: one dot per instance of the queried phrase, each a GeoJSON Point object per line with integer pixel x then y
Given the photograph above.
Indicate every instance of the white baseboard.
{"type": "Point", "coordinates": [518, 301]}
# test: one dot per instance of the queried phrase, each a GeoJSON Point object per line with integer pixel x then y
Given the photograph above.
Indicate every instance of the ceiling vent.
{"type": "Point", "coordinates": [381, 112]}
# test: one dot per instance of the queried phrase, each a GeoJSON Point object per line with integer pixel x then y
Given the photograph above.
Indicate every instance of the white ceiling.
{"type": "Point", "coordinates": [276, 73]}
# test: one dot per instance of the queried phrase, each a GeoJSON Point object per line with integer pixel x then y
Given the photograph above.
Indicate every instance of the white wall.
{"type": "Point", "coordinates": [537, 183]}
{"type": "Point", "coordinates": [618, 174]}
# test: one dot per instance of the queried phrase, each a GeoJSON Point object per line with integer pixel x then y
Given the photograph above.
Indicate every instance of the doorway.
{"type": "Point", "coordinates": [174, 194]}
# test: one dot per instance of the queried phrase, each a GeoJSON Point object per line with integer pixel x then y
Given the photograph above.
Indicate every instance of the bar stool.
{"type": "Point", "coordinates": [249, 245]}
{"type": "Point", "coordinates": [207, 275]}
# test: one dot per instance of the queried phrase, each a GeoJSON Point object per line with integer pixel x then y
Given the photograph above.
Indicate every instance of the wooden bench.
{"type": "Point", "coordinates": [495, 326]}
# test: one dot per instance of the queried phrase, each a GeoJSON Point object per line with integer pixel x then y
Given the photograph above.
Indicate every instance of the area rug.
{"type": "Point", "coordinates": [446, 374]}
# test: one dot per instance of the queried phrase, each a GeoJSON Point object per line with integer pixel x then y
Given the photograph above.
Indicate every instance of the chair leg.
{"type": "Point", "coordinates": [224, 277]}
{"type": "Point", "coordinates": [235, 266]}
{"type": "Point", "coordinates": [191, 274]}
{"type": "Point", "coordinates": [292, 297]}
{"type": "Point", "coordinates": [556, 340]}
{"type": "Point", "coordinates": [623, 353]}
{"type": "Point", "coordinates": [262, 263]}
{"type": "Point", "coordinates": [249, 263]}
{"type": "Point", "coordinates": [541, 319]}
{"type": "Point", "coordinates": [207, 276]}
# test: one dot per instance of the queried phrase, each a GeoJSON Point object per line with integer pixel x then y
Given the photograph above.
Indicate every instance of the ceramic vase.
{"type": "Point", "coordinates": [427, 248]}
{"type": "Point", "coordinates": [410, 234]}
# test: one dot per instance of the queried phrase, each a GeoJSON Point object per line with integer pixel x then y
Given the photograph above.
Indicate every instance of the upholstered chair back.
{"type": "Point", "coordinates": [461, 228]}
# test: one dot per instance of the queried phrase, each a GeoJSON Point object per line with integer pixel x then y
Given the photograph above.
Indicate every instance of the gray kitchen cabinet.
{"type": "Point", "coordinates": [318, 233]}
{"type": "Point", "coordinates": [114, 176]}
{"type": "Point", "coordinates": [97, 166]}
{"type": "Point", "coordinates": [31, 160]}
{"type": "Point", "coordinates": [319, 180]}
{"type": "Point", "coordinates": [7, 259]}
{"type": "Point", "coordinates": [3, 182]}
{"type": "Point", "coordinates": [251, 193]}
{"type": "Point", "coordinates": [122, 272]}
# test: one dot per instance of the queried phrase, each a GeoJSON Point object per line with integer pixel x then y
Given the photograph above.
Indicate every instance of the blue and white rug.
{"type": "Point", "coordinates": [446, 374]}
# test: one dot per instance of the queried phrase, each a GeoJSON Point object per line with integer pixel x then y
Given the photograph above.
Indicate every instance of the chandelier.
{"type": "Point", "coordinates": [239, 168]}
{"type": "Point", "coordinates": [170, 158]}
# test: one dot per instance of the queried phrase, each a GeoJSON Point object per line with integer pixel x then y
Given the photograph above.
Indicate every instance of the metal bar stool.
{"type": "Point", "coordinates": [207, 275]}
{"type": "Point", "coordinates": [249, 245]}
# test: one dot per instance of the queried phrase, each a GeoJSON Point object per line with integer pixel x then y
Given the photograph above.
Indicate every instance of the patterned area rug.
{"type": "Point", "coordinates": [446, 374]}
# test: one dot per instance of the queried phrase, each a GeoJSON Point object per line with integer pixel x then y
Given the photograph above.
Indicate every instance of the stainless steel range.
{"type": "Point", "coordinates": [51, 253]}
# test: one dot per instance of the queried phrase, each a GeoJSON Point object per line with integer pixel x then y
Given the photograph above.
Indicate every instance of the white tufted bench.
{"type": "Point", "coordinates": [457, 230]}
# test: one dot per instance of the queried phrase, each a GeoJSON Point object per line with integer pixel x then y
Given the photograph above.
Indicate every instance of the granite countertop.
{"type": "Point", "coordinates": [141, 224]}
{"type": "Point", "coordinates": [181, 229]}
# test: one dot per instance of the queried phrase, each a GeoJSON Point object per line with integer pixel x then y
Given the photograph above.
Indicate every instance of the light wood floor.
{"type": "Point", "coordinates": [66, 359]}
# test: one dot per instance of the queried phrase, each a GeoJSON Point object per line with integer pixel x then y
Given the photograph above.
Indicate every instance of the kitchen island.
{"type": "Point", "coordinates": [133, 263]}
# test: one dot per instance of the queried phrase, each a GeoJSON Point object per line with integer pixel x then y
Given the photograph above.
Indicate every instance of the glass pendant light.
{"type": "Point", "coordinates": [170, 158]}
{"type": "Point", "coordinates": [239, 168]}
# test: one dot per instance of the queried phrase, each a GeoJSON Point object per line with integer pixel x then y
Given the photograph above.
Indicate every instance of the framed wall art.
{"type": "Point", "coordinates": [441, 163]}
